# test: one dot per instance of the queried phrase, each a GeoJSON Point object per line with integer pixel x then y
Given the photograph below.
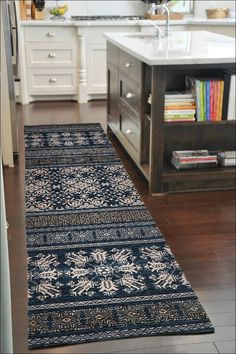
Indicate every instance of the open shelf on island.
{"type": "Point", "coordinates": [198, 179]}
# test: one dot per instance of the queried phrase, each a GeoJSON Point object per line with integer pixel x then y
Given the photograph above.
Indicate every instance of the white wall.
{"type": "Point", "coordinates": [122, 7]}
{"type": "Point", "coordinates": [90, 8]}
{"type": "Point", "coordinates": [200, 6]}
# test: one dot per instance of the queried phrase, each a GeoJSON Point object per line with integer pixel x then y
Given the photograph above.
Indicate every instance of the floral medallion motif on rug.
{"type": "Point", "coordinates": [98, 266]}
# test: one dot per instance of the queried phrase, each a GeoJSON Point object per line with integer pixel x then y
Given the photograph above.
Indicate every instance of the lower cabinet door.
{"type": "Point", "coordinates": [96, 69]}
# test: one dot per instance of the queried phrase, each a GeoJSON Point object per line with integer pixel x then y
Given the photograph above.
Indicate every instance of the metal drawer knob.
{"type": "Point", "coordinates": [128, 131]}
{"type": "Point", "coordinates": [128, 65]}
{"type": "Point", "coordinates": [51, 34]}
{"type": "Point", "coordinates": [52, 55]}
{"type": "Point", "coordinates": [129, 95]}
{"type": "Point", "coordinates": [52, 79]}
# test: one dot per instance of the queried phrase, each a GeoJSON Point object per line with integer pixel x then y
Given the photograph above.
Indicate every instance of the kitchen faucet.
{"type": "Point", "coordinates": [167, 13]}
{"type": "Point", "coordinates": [158, 30]}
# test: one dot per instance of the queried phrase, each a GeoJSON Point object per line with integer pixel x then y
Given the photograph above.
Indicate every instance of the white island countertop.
{"type": "Point", "coordinates": [180, 47]}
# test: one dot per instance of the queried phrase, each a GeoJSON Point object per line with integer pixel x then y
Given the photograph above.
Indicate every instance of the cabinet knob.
{"type": "Point", "coordinates": [128, 65]}
{"type": "Point", "coordinates": [52, 79]}
{"type": "Point", "coordinates": [52, 55]}
{"type": "Point", "coordinates": [51, 34]}
{"type": "Point", "coordinates": [129, 95]}
{"type": "Point", "coordinates": [128, 131]}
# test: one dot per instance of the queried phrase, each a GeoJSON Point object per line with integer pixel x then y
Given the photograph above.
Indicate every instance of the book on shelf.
{"type": "Point", "coordinates": [180, 111]}
{"type": "Point", "coordinates": [170, 106]}
{"type": "Point", "coordinates": [176, 99]}
{"type": "Point", "coordinates": [193, 154]}
{"type": "Point", "coordinates": [184, 153]}
{"type": "Point", "coordinates": [230, 77]}
{"type": "Point", "coordinates": [179, 120]}
{"type": "Point", "coordinates": [178, 95]}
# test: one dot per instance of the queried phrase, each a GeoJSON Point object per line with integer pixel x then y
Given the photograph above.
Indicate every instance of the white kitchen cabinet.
{"type": "Point", "coordinates": [96, 78]}
{"type": "Point", "coordinates": [68, 60]}
{"type": "Point", "coordinates": [92, 63]}
{"type": "Point", "coordinates": [50, 55]}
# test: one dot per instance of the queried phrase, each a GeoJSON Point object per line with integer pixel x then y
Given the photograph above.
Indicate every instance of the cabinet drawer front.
{"type": "Point", "coordinates": [50, 33]}
{"type": "Point", "coordinates": [130, 94]}
{"type": "Point", "coordinates": [130, 66]}
{"type": "Point", "coordinates": [129, 130]}
{"type": "Point", "coordinates": [54, 54]}
{"type": "Point", "coordinates": [47, 81]}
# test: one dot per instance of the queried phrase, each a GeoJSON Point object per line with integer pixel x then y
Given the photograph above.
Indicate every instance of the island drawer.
{"type": "Point", "coordinates": [130, 95]}
{"type": "Point", "coordinates": [129, 130]}
{"type": "Point", "coordinates": [49, 33]}
{"type": "Point", "coordinates": [48, 81]}
{"type": "Point", "coordinates": [130, 66]}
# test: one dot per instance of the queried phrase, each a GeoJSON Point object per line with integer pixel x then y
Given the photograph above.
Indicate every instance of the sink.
{"type": "Point", "coordinates": [141, 36]}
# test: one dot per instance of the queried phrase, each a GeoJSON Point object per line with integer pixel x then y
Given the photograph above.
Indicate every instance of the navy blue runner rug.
{"type": "Point", "coordinates": [98, 266]}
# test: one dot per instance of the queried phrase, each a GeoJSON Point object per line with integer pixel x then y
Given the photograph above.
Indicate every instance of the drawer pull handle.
{"type": "Point", "coordinates": [51, 34]}
{"type": "Point", "coordinates": [129, 95]}
{"type": "Point", "coordinates": [128, 131]}
{"type": "Point", "coordinates": [128, 65]}
{"type": "Point", "coordinates": [52, 79]}
{"type": "Point", "coordinates": [52, 55]}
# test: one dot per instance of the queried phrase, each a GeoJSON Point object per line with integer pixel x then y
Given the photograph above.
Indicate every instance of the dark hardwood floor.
{"type": "Point", "coordinates": [199, 228]}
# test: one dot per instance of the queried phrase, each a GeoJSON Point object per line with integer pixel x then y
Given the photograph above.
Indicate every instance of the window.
{"type": "Point", "coordinates": [184, 6]}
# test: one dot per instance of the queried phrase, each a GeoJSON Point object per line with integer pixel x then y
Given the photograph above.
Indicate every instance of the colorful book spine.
{"type": "Point", "coordinates": [175, 107]}
{"type": "Point", "coordinates": [208, 115]}
{"type": "Point", "coordinates": [221, 99]}
{"type": "Point", "coordinates": [211, 100]}
{"type": "Point", "coordinates": [201, 102]}
{"type": "Point", "coordinates": [197, 92]}
{"type": "Point", "coordinates": [217, 100]}
{"type": "Point", "coordinates": [204, 100]}
{"type": "Point", "coordinates": [215, 86]}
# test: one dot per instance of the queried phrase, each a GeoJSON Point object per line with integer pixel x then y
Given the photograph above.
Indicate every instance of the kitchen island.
{"type": "Point", "coordinates": [138, 65]}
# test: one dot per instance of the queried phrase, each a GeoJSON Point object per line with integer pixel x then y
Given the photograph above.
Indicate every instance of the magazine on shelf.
{"type": "Point", "coordinates": [227, 158]}
{"type": "Point", "coordinates": [191, 153]}
{"type": "Point", "coordinates": [193, 165]}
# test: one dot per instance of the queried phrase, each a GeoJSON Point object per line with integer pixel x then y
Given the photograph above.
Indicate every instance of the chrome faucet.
{"type": "Point", "coordinates": [167, 13]}
{"type": "Point", "coordinates": [158, 30]}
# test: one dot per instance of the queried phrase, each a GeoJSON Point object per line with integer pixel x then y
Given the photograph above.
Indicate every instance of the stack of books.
{"type": "Point", "coordinates": [193, 159]}
{"type": "Point", "coordinates": [179, 107]}
{"type": "Point", "coordinates": [227, 158]}
{"type": "Point", "coordinates": [209, 97]}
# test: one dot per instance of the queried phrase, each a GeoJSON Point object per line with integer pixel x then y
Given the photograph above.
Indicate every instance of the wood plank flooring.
{"type": "Point", "coordinates": [199, 228]}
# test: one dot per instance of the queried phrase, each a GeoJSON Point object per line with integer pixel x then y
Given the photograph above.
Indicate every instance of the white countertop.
{"type": "Point", "coordinates": [185, 21]}
{"type": "Point", "coordinates": [181, 47]}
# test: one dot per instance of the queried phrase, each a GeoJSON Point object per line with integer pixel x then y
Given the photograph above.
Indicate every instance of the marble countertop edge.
{"type": "Point", "coordinates": [185, 21]}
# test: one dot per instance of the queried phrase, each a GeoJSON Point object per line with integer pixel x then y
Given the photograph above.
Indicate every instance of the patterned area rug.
{"type": "Point", "coordinates": [98, 266]}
